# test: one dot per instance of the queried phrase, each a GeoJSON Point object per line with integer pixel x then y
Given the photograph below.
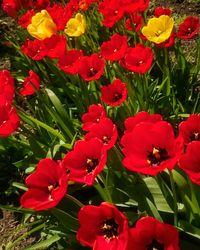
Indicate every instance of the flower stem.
{"type": "Point", "coordinates": [73, 199]}
{"type": "Point", "coordinates": [175, 198]}
{"type": "Point", "coordinates": [193, 196]}
{"type": "Point", "coordinates": [104, 193]}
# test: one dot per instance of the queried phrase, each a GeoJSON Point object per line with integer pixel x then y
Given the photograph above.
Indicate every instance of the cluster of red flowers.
{"type": "Point", "coordinates": [12, 7]}
{"type": "Point", "coordinates": [105, 227]}
{"type": "Point", "coordinates": [9, 120]}
{"type": "Point", "coordinates": [83, 163]}
{"type": "Point", "coordinates": [113, 10]}
{"type": "Point", "coordinates": [101, 226]}
{"type": "Point", "coordinates": [53, 47]}
{"type": "Point", "coordinates": [137, 59]}
{"type": "Point", "coordinates": [190, 161]}
{"type": "Point", "coordinates": [89, 156]}
{"type": "Point", "coordinates": [149, 145]}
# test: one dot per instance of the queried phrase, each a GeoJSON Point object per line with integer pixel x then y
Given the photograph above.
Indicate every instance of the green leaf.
{"type": "Point", "coordinates": [153, 209]}
{"type": "Point", "coordinates": [59, 107]}
{"type": "Point", "coordinates": [67, 220]}
{"type": "Point", "coordinates": [16, 209]}
{"type": "Point", "coordinates": [30, 120]}
{"type": "Point", "coordinates": [20, 186]}
{"type": "Point", "coordinates": [59, 114]}
{"type": "Point", "coordinates": [158, 197]}
{"type": "Point", "coordinates": [36, 147]}
{"type": "Point", "coordinates": [44, 244]}
{"type": "Point", "coordinates": [188, 228]}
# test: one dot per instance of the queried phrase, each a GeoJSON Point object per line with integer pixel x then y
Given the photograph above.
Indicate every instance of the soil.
{"type": "Point", "coordinates": [10, 230]}
{"type": "Point", "coordinates": [6, 23]}
{"type": "Point", "coordinates": [181, 7]}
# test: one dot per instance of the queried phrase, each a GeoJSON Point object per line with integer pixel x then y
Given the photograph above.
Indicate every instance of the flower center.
{"type": "Point", "coordinates": [158, 32]}
{"type": "Point", "coordinates": [195, 136]}
{"type": "Point", "coordinates": [91, 164]}
{"type": "Point", "coordinates": [92, 72]}
{"type": "Point", "coordinates": [106, 139]}
{"type": "Point", "coordinates": [155, 245]}
{"type": "Point", "coordinates": [158, 155]}
{"type": "Point", "coordinates": [110, 229]}
{"type": "Point", "coordinates": [189, 30]}
{"type": "Point", "coordinates": [51, 187]}
{"type": "Point", "coordinates": [117, 97]}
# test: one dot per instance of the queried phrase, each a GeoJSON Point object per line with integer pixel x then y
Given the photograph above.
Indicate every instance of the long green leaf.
{"type": "Point", "coordinates": [65, 219]}
{"type": "Point", "coordinates": [30, 120]}
{"type": "Point", "coordinates": [44, 244]}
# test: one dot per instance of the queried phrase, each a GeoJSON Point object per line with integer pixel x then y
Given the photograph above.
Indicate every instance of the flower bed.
{"type": "Point", "coordinates": [102, 102]}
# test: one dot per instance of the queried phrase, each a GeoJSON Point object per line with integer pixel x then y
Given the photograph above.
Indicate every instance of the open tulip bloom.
{"type": "Point", "coordinates": [100, 124]}
{"type": "Point", "coordinates": [42, 25]}
{"type": "Point", "coordinates": [151, 148]}
{"type": "Point", "coordinates": [46, 186]}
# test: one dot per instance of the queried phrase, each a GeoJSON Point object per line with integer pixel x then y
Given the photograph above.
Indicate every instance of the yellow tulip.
{"type": "Point", "coordinates": [76, 26]}
{"type": "Point", "coordinates": [158, 29]}
{"type": "Point", "coordinates": [42, 26]}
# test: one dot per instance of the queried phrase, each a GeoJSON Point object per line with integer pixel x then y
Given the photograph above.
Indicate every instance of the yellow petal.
{"type": "Point", "coordinates": [76, 26]}
{"type": "Point", "coordinates": [158, 29]}
{"type": "Point", "coordinates": [42, 25]}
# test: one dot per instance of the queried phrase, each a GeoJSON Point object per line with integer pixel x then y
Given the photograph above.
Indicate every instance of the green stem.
{"type": "Point", "coordinates": [105, 195]}
{"type": "Point", "coordinates": [166, 73]}
{"type": "Point", "coordinates": [72, 198]}
{"type": "Point", "coordinates": [175, 198]}
{"type": "Point", "coordinates": [193, 196]}
{"type": "Point", "coordinates": [106, 188]}
{"type": "Point", "coordinates": [146, 94]}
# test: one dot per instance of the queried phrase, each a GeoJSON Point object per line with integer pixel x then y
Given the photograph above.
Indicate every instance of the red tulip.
{"type": "Point", "coordinates": [95, 113]}
{"type": "Point", "coordinates": [9, 120]}
{"type": "Point", "coordinates": [115, 48]}
{"type": "Point", "coordinates": [190, 129]}
{"type": "Point", "coordinates": [103, 227]}
{"type": "Point", "coordinates": [106, 131]}
{"type": "Point", "coordinates": [6, 86]}
{"type": "Point", "coordinates": [46, 186]}
{"type": "Point", "coordinates": [190, 161]}
{"type": "Point", "coordinates": [31, 84]}
{"type": "Point", "coordinates": [85, 161]}
{"type": "Point", "coordinates": [91, 67]}
{"type": "Point", "coordinates": [138, 59]}
{"type": "Point", "coordinates": [150, 233]}
{"type": "Point", "coordinates": [151, 147]}
{"type": "Point", "coordinates": [131, 122]}
{"type": "Point", "coordinates": [114, 94]}
{"type": "Point", "coordinates": [69, 61]}
{"type": "Point", "coordinates": [188, 28]}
